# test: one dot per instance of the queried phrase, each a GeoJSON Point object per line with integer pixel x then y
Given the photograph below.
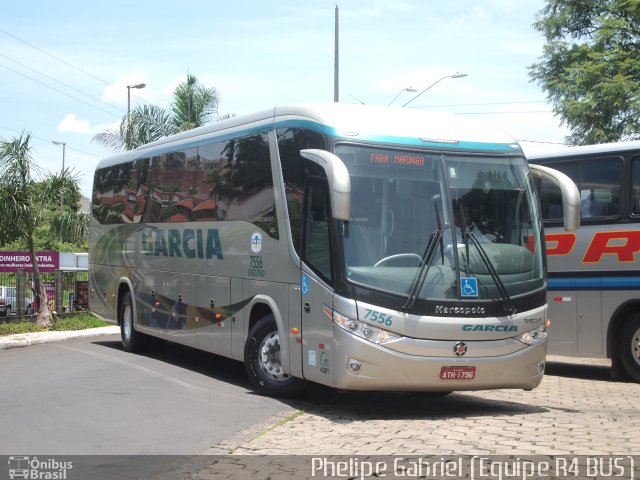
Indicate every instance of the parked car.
{"type": "Point", "coordinates": [9, 303]}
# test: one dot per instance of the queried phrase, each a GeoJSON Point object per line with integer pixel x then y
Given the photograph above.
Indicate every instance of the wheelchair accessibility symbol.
{"type": "Point", "coordinates": [304, 285]}
{"type": "Point", "coordinates": [468, 286]}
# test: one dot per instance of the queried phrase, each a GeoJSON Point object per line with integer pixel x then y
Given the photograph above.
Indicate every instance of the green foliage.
{"type": "Point", "coordinates": [193, 104]}
{"type": "Point", "coordinates": [79, 321]}
{"type": "Point", "coordinates": [22, 327]}
{"type": "Point", "coordinates": [590, 68]}
{"type": "Point", "coordinates": [66, 232]}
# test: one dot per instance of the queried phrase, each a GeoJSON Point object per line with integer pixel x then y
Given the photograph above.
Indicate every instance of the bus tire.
{"type": "Point", "coordinates": [262, 361]}
{"type": "Point", "coordinates": [630, 347]}
{"type": "Point", "coordinates": [132, 340]}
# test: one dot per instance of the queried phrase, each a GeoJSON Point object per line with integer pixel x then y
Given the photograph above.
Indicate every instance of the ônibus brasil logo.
{"type": "Point", "coordinates": [33, 468]}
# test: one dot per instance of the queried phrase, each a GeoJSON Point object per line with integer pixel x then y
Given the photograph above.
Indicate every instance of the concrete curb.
{"type": "Point", "coordinates": [26, 339]}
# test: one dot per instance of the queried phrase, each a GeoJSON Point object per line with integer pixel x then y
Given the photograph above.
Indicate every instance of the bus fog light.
{"type": "Point", "coordinates": [534, 336]}
{"type": "Point", "coordinates": [354, 366]}
{"type": "Point", "coordinates": [541, 368]}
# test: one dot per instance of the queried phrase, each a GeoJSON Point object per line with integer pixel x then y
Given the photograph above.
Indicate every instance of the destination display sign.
{"type": "Point", "coordinates": [393, 158]}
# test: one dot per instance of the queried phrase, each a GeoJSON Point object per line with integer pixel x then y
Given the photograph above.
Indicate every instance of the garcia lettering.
{"type": "Point", "coordinates": [188, 243]}
{"type": "Point", "coordinates": [490, 328]}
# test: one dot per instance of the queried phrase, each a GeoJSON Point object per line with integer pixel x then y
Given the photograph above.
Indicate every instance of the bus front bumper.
{"type": "Point", "coordinates": [361, 365]}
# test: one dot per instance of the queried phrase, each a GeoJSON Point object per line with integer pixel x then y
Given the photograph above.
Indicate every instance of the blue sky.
{"type": "Point", "coordinates": [64, 66]}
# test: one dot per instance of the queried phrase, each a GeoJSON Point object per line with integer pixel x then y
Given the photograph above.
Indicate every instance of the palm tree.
{"type": "Point", "coordinates": [193, 106]}
{"type": "Point", "coordinates": [147, 123]}
{"type": "Point", "coordinates": [21, 210]}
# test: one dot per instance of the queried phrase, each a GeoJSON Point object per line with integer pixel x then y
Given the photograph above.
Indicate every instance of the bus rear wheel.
{"type": "Point", "coordinates": [132, 340]}
{"type": "Point", "coordinates": [630, 347]}
{"type": "Point", "coordinates": [263, 364]}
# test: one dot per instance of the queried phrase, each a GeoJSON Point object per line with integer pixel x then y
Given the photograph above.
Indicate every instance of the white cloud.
{"type": "Point", "coordinates": [72, 124]}
{"type": "Point", "coordinates": [116, 92]}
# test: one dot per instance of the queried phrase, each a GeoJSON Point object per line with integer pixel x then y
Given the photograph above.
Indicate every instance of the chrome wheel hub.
{"type": "Point", "coordinates": [270, 357]}
{"type": "Point", "coordinates": [127, 322]}
{"type": "Point", "coordinates": [635, 346]}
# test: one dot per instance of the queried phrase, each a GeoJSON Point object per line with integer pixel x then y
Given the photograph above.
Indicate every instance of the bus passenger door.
{"type": "Point", "coordinates": [315, 285]}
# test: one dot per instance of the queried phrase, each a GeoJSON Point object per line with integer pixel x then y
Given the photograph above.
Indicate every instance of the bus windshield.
{"type": "Point", "coordinates": [439, 226]}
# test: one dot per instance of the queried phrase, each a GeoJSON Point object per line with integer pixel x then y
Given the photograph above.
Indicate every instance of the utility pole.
{"type": "Point", "coordinates": [336, 63]}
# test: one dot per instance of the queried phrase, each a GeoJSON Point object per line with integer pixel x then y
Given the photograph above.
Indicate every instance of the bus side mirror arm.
{"type": "Point", "coordinates": [339, 181]}
{"type": "Point", "coordinates": [570, 194]}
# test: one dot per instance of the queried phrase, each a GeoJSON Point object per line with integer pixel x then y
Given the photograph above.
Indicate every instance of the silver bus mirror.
{"type": "Point", "coordinates": [570, 194]}
{"type": "Point", "coordinates": [339, 181]}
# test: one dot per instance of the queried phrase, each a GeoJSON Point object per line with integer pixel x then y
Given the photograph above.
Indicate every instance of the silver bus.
{"type": "Point", "coordinates": [594, 274]}
{"type": "Point", "coordinates": [360, 247]}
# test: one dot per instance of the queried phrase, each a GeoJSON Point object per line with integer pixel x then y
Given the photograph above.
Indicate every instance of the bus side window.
{"type": "Point", "coordinates": [635, 186]}
{"type": "Point", "coordinates": [317, 239]}
{"type": "Point", "coordinates": [599, 186]}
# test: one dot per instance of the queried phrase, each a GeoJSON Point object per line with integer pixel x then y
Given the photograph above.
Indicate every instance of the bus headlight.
{"type": "Point", "coordinates": [371, 333]}
{"type": "Point", "coordinates": [534, 336]}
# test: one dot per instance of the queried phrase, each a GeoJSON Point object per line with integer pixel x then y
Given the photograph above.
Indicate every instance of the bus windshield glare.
{"type": "Point", "coordinates": [480, 212]}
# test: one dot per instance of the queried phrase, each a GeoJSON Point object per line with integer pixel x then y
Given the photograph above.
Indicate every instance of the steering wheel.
{"type": "Point", "coordinates": [398, 256]}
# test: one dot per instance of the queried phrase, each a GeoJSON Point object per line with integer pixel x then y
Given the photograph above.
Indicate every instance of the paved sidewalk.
{"type": "Point", "coordinates": [34, 338]}
{"type": "Point", "coordinates": [578, 409]}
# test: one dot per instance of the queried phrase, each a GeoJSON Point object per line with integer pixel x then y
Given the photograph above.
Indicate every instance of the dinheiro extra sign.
{"type": "Point", "coordinates": [12, 261]}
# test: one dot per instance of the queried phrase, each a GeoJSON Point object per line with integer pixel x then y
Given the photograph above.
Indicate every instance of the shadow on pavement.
{"type": "Point", "coordinates": [344, 407]}
{"type": "Point", "coordinates": [198, 361]}
{"type": "Point", "coordinates": [341, 406]}
{"type": "Point", "coordinates": [582, 371]}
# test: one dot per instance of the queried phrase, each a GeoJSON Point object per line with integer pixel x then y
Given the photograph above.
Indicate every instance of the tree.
{"type": "Point", "coordinates": [25, 205]}
{"type": "Point", "coordinates": [193, 105]}
{"type": "Point", "coordinates": [146, 124]}
{"type": "Point", "coordinates": [590, 68]}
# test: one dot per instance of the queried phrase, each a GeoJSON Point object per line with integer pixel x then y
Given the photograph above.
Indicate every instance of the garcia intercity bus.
{"type": "Point", "coordinates": [366, 248]}
{"type": "Point", "coordinates": [594, 274]}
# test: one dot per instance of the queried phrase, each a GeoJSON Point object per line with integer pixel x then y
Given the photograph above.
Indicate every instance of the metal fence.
{"type": "Point", "coordinates": [66, 292]}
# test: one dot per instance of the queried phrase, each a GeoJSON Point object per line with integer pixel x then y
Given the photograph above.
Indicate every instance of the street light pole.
{"type": "Point", "coordinates": [455, 75]}
{"type": "Point", "coordinates": [408, 89]}
{"type": "Point", "coordinates": [64, 148]}
{"type": "Point", "coordinates": [129, 87]}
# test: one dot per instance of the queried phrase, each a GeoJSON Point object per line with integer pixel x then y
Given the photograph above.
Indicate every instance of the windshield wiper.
{"type": "Point", "coordinates": [506, 299]}
{"type": "Point", "coordinates": [427, 258]}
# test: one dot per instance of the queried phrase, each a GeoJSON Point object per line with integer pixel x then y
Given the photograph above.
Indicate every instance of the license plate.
{"type": "Point", "coordinates": [457, 373]}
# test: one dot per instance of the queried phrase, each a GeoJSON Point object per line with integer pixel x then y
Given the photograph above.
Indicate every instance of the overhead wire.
{"type": "Point", "coordinates": [54, 57]}
{"type": "Point", "coordinates": [59, 91]}
{"type": "Point", "coordinates": [121, 112]}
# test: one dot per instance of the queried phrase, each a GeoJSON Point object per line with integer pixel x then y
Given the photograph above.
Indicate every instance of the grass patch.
{"type": "Point", "coordinates": [24, 327]}
{"type": "Point", "coordinates": [79, 321]}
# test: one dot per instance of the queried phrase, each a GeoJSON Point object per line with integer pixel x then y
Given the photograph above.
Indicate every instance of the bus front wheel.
{"type": "Point", "coordinates": [132, 340]}
{"type": "Point", "coordinates": [263, 364]}
{"type": "Point", "coordinates": [630, 347]}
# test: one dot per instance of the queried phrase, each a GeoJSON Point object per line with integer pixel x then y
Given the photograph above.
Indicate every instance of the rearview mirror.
{"type": "Point", "coordinates": [338, 178]}
{"type": "Point", "coordinates": [570, 194]}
